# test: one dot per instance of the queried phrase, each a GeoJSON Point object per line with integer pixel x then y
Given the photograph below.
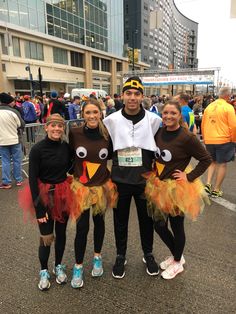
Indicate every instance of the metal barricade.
{"type": "Point", "coordinates": [33, 133]}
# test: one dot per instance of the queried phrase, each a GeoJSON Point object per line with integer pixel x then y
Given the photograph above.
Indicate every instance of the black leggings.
{"type": "Point", "coordinates": [60, 241]}
{"type": "Point", "coordinates": [121, 218]}
{"type": "Point", "coordinates": [82, 229]}
{"type": "Point", "coordinates": [175, 241]}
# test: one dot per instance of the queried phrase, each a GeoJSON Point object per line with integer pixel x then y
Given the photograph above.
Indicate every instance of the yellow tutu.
{"type": "Point", "coordinates": [99, 198]}
{"type": "Point", "coordinates": [174, 197]}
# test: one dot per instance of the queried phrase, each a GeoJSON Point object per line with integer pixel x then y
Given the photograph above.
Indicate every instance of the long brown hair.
{"type": "Point", "coordinates": [177, 105]}
{"type": "Point", "coordinates": [102, 129]}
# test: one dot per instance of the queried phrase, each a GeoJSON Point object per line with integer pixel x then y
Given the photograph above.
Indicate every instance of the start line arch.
{"type": "Point", "coordinates": [158, 78]}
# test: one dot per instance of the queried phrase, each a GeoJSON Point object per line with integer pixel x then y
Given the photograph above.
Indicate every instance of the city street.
{"type": "Point", "coordinates": [206, 286]}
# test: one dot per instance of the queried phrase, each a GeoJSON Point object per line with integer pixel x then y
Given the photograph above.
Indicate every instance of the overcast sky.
{"type": "Point", "coordinates": [216, 35]}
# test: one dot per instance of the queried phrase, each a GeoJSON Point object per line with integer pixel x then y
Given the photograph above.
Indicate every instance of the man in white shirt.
{"type": "Point", "coordinates": [132, 131]}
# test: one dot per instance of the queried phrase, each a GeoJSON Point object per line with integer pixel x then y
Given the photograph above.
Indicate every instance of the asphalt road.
{"type": "Point", "coordinates": [206, 286]}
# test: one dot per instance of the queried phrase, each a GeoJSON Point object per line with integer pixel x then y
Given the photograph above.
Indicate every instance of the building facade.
{"type": "Point", "coordinates": [164, 37]}
{"type": "Point", "coordinates": [74, 43]}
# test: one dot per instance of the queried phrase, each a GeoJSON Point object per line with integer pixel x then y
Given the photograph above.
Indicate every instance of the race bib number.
{"type": "Point", "coordinates": [130, 157]}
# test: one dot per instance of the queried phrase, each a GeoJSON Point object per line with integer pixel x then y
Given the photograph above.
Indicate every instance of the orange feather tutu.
{"type": "Point", "coordinates": [100, 198]}
{"type": "Point", "coordinates": [174, 197]}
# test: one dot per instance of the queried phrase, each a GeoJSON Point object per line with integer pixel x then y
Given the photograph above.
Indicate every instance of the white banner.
{"type": "Point", "coordinates": [177, 79]}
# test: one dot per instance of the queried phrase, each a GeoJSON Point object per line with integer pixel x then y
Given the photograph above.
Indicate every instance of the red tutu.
{"type": "Point", "coordinates": [56, 200]}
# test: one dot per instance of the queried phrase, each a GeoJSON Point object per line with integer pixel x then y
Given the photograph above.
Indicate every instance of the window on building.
{"type": "Point", "coordinates": [118, 66]}
{"type": "Point", "coordinates": [127, 35]}
{"type": "Point", "coordinates": [60, 55]}
{"type": "Point", "coordinates": [16, 46]}
{"type": "Point", "coordinates": [3, 45]}
{"type": "Point", "coordinates": [105, 65]}
{"type": "Point", "coordinates": [77, 59]}
{"type": "Point", "coordinates": [95, 63]}
{"type": "Point", "coordinates": [34, 50]}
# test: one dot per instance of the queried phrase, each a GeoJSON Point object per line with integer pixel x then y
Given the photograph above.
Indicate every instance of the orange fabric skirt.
{"type": "Point", "coordinates": [99, 198]}
{"type": "Point", "coordinates": [174, 197]}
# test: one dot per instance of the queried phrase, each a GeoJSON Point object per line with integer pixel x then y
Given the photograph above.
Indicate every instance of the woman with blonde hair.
{"type": "Point", "coordinates": [91, 186]}
{"type": "Point", "coordinates": [110, 107]}
{"type": "Point", "coordinates": [48, 196]}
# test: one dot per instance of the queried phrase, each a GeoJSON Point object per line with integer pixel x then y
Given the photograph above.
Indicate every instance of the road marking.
{"type": "Point", "coordinates": [225, 203]}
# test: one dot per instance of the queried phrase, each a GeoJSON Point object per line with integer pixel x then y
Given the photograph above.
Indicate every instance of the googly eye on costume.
{"type": "Point", "coordinates": [157, 153]}
{"type": "Point", "coordinates": [81, 152]}
{"type": "Point", "coordinates": [103, 153]}
{"type": "Point", "coordinates": [166, 155]}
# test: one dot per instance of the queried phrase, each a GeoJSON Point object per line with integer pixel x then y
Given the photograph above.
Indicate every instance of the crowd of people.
{"type": "Point", "coordinates": [150, 141]}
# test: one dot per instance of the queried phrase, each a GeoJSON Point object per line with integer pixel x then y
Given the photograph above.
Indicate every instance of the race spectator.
{"type": "Point", "coordinates": [218, 129]}
{"type": "Point", "coordinates": [30, 116]}
{"type": "Point", "coordinates": [55, 105]}
{"type": "Point", "coordinates": [118, 102]}
{"type": "Point", "coordinates": [110, 107]}
{"type": "Point", "coordinates": [187, 113]}
{"type": "Point", "coordinates": [75, 109]}
{"type": "Point", "coordinates": [11, 125]}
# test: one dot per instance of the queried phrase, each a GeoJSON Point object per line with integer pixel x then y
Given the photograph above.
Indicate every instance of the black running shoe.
{"type": "Point", "coordinates": [118, 270]}
{"type": "Point", "coordinates": [152, 267]}
{"type": "Point", "coordinates": [208, 188]}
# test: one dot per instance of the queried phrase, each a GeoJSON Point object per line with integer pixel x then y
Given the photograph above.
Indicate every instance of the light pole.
{"type": "Point", "coordinates": [27, 68]}
{"type": "Point", "coordinates": [134, 33]}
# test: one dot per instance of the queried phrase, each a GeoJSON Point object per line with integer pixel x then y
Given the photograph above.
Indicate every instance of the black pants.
{"type": "Point", "coordinates": [60, 241]}
{"type": "Point", "coordinates": [121, 218]}
{"type": "Point", "coordinates": [175, 241]}
{"type": "Point", "coordinates": [82, 229]}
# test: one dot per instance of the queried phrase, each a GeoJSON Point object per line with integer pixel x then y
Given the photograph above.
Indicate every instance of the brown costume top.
{"type": "Point", "coordinates": [91, 155]}
{"type": "Point", "coordinates": [174, 151]}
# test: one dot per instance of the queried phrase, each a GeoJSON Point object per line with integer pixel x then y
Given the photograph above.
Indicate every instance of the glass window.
{"type": "Point", "coordinates": [57, 31]}
{"type": "Point", "coordinates": [118, 66]}
{"type": "Point", "coordinates": [56, 12]}
{"type": "Point", "coordinates": [77, 59]}
{"type": "Point", "coordinates": [16, 46]}
{"type": "Point", "coordinates": [34, 50]}
{"type": "Point", "coordinates": [105, 65]}
{"type": "Point", "coordinates": [27, 49]}
{"type": "Point", "coordinates": [13, 12]}
{"type": "Point", "coordinates": [49, 8]}
{"type": "Point", "coordinates": [60, 55]}
{"type": "Point", "coordinates": [50, 29]}
{"type": "Point", "coordinates": [95, 63]}
{"type": "Point", "coordinates": [40, 55]}
{"type": "Point", "coordinates": [33, 21]}
{"type": "Point", "coordinates": [63, 15]}
{"type": "Point", "coordinates": [3, 11]}
{"type": "Point", "coordinates": [24, 16]}
{"type": "Point", "coordinates": [4, 44]}
{"type": "Point", "coordinates": [76, 20]}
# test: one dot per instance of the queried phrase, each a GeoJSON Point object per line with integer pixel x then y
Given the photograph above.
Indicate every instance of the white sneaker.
{"type": "Point", "coordinates": [97, 270]}
{"type": "Point", "coordinates": [44, 283]}
{"type": "Point", "coordinates": [174, 269]}
{"type": "Point", "coordinates": [77, 277]}
{"type": "Point", "coordinates": [169, 260]}
{"type": "Point", "coordinates": [60, 274]}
